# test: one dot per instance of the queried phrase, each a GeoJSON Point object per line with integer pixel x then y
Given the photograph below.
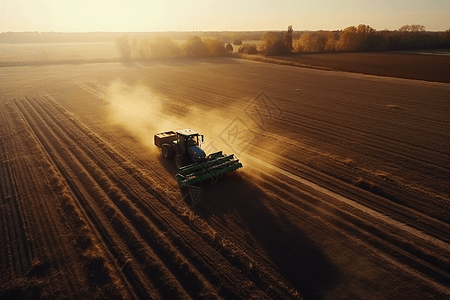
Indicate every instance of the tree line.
{"type": "Point", "coordinates": [354, 38]}
{"type": "Point", "coordinates": [351, 39]}
{"type": "Point", "coordinates": [165, 47]}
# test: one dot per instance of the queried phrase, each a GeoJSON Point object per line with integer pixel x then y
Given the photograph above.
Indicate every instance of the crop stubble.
{"type": "Point", "coordinates": [122, 226]}
{"type": "Point", "coordinates": [92, 207]}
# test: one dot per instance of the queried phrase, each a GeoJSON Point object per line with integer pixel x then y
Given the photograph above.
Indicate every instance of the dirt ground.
{"type": "Point", "coordinates": [343, 195]}
{"type": "Point", "coordinates": [430, 67]}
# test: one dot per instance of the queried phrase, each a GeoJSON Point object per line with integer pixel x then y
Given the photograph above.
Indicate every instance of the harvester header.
{"type": "Point", "coordinates": [193, 165]}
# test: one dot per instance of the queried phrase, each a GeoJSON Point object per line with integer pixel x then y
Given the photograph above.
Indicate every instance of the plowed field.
{"type": "Point", "coordinates": [344, 192]}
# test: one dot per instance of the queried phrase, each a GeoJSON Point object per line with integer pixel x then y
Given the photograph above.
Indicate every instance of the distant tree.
{"type": "Point", "coordinates": [367, 39]}
{"type": "Point", "coordinates": [364, 29]}
{"type": "Point", "coordinates": [331, 43]}
{"type": "Point", "coordinates": [412, 28]}
{"type": "Point", "coordinates": [159, 46]}
{"type": "Point", "coordinates": [404, 28]}
{"type": "Point", "coordinates": [412, 37]}
{"type": "Point", "coordinates": [237, 42]}
{"type": "Point", "coordinates": [288, 39]}
{"type": "Point", "coordinates": [229, 47]}
{"type": "Point", "coordinates": [123, 46]}
{"type": "Point", "coordinates": [248, 49]}
{"type": "Point", "coordinates": [347, 39]}
{"type": "Point", "coordinates": [446, 39]}
{"type": "Point", "coordinates": [304, 43]}
{"type": "Point", "coordinates": [322, 39]}
{"type": "Point", "coordinates": [144, 50]}
{"type": "Point", "coordinates": [268, 41]}
{"type": "Point", "coordinates": [277, 43]}
{"type": "Point", "coordinates": [195, 47]}
{"type": "Point", "coordinates": [415, 28]}
{"type": "Point", "coordinates": [356, 38]}
{"type": "Point", "coordinates": [134, 46]}
{"type": "Point", "coordinates": [318, 41]}
{"type": "Point", "coordinates": [215, 46]}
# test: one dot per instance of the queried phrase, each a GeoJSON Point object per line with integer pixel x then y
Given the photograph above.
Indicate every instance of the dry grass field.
{"type": "Point", "coordinates": [344, 192]}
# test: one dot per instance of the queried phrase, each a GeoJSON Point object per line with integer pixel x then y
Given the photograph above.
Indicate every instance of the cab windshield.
{"type": "Point", "coordinates": [192, 141]}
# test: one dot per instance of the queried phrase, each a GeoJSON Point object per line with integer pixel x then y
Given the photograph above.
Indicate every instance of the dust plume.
{"type": "Point", "coordinates": [139, 110]}
{"type": "Point", "coordinates": [144, 112]}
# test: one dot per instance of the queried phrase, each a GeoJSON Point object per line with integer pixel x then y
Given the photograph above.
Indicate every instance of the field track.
{"type": "Point", "coordinates": [344, 195]}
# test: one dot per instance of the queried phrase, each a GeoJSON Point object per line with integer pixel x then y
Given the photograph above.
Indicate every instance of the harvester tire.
{"type": "Point", "coordinates": [167, 152]}
{"type": "Point", "coordinates": [180, 161]}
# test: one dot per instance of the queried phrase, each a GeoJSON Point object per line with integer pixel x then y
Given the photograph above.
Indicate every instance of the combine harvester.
{"type": "Point", "coordinates": [192, 163]}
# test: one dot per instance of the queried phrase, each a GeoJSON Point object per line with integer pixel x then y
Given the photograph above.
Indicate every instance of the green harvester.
{"type": "Point", "coordinates": [193, 165]}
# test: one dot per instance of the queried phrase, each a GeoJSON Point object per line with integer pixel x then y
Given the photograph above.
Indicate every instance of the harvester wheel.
{"type": "Point", "coordinates": [180, 161]}
{"type": "Point", "coordinates": [167, 151]}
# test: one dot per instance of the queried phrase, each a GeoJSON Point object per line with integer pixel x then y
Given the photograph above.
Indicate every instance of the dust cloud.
{"type": "Point", "coordinates": [144, 112]}
{"type": "Point", "coordinates": [139, 110]}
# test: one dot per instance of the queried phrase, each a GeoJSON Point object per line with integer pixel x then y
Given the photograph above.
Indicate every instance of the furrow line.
{"type": "Point", "coordinates": [414, 218]}
{"type": "Point", "coordinates": [416, 101]}
{"type": "Point", "coordinates": [60, 156]}
{"type": "Point", "coordinates": [8, 233]}
{"type": "Point", "coordinates": [114, 170]}
{"type": "Point", "coordinates": [99, 179]}
{"type": "Point", "coordinates": [129, 180]}
{"type": "Point", "coordinates": [412, 251]}
{"type": "Point", "coordinates": [14, 221]}
{"type": "Point", "coordinates": [48, 236]}
{"type": "Point", "coordinates": [346, 133]}
{"type": "Point", "coordinates": [425, 257]}
{"type": "Point", "coordinates": [230, 254]}
{"type": "Point", "coordinates": [380, 111]}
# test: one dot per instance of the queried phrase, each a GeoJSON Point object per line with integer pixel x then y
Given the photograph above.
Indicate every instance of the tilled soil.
{"type": "Point", "coordinates": [344, 191]}
{"type": "Point", "coordinates": [426, 66]}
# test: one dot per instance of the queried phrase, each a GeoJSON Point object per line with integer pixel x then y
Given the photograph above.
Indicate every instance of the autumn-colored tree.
{"type": "Point", "coordinates": [215, 46]}
{"type": "Point", "coordinates": [348, 39]}
{"type": "Point", "coordinates": [123, 46]}
{"type": "Point", "coordinates": [331, 43]}
{"type": "Point", "coordinates": [288, 38]}
{"type": "Point", "coordinates": [248, 49]}
{"type": "Point", "coordinates": [303, 43]}
{"type": "Point", "coordinates": [412, 28]}
{"type": "Point", "coordinates": [268, 42]}
{"type": "Point", "coordinates": [134, 46]}
{"type": "Point", "coordinates": [277, 43]}
{"type": "Point", "coordinates": [195, 47]}
{"type": "Point", "coordinates": [160, 46]}
{"type": "Point", "coordinates": [144, 50]}
{"type": "Point", "coordinates": [318, 41]}
{"type": "Point", "coordinates": [355, 38]}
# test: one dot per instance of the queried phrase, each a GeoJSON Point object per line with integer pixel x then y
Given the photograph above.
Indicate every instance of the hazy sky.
{"type": "Point", "coordinates": [210, 15]}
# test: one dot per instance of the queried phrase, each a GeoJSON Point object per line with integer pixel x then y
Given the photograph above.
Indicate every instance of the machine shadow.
{"type": "Point", "coordinates": [236, 199]}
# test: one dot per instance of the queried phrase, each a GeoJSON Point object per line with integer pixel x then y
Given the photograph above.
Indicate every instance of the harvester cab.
{"type": "Point", "coordinates": [189, 143]}
{"type": "Point", "coordinates": [192, 163]}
